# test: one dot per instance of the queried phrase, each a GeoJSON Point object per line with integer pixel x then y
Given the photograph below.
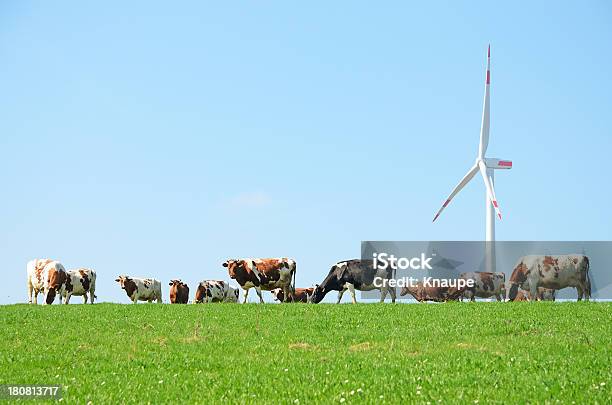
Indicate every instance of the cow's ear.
{"type": "Point", "coordinates": [117, 280]}
{"type": "Point", "coordinates": [170, 283]}
{"type": "Point", "coordinates": [225, 264]}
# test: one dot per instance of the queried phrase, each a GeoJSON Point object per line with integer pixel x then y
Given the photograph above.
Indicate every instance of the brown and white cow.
{"type": "Point", "coordinates": [422, 292]}
{"type": "Point", "coordinates": [544, 294]}
{"type": "Point", "coordinates": [80, 282]}
{"type": "Point", "coordinates": [36, 285]}
{"type": "Point", "coordinates": [141, 289]}
{"type": "Point", "coordinates": [179, 292]}
{"type": "Point", "coordinates": [54, 281]}
{"type": "Point", "coordinates": [300, 295]}
{"type": "Point", "coordinates": [263, 274]}
{"type": "Point", "coordinates": [486, 285]}
{"type": "Point", "coordinates": [215, 291]}
{"type": "Point", "coordinates": [555, 272]}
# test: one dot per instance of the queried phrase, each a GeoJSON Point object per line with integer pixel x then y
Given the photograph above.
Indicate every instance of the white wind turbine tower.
{"type": "Point", "coordinates": [487, 167]}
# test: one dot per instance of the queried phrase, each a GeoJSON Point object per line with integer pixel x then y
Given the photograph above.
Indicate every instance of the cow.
{"type": "Point", "coordinates": [215, 291]}
{"type": "Point", "coordinates": [34, 269]}
{"type": "Point", "coordinates": [486, 285]}
{"type": "Point", "coordinates": [263, 274]}
{"type": "Point", "coordinates": [179, 292]}
{"type": "Point", "coordinates": [354, 275]}
{"type": "Point", "coordinates": [141, 289]}
{"type": "Point", "coordinates": [544, 294]}
{"type": "Point", "coordinates": [422, 292]}
{"type": "Point", "coordinates": [555, 272]}
{"type": "Point", "coordinates": [300, 295]}
{"type": "Point", "coordinates": [54, 281]}
{"type": "Point", "coordinates": [80, 282]}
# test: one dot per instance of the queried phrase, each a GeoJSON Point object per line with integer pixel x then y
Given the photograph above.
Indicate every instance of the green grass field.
{"type": "Point", "coordinates": [295, 353]}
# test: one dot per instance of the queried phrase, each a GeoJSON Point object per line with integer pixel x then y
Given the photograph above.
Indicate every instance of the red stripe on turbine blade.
{"type": "Point", "coordinates": [445, 203]}
{"type": "Point", "coordinates": [505, 163]}
{"type": "Point", "coordinates": [489, 52]}
{"type": "Point", "coordinates": [495, 204]}
{"type": "Point", "coordinates": [499, 215]}
{"type": "Point", "coordinates": [488, 77]}
{"type": "Point", "coordinates": [436, 217]}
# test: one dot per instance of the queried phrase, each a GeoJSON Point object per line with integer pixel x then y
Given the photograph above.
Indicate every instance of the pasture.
{"type": "Point", "coordinates": [297, 353]}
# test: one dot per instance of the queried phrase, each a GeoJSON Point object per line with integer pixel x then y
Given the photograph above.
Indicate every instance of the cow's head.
{"type": "Point", "coordinates": [56, 278]}
{"type": "Point", "coordinates": [517, 280]}
{"type": "Point", "coordinates": [235, 266]}
{"type": "Point", "coordinates": [278, 294]}
{"type": "Point", "coordinates": [175, 283]}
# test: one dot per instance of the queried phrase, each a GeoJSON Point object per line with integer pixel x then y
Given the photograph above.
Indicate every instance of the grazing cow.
{"type": "Point", "coordinates": [215, 291]}
{"type": "Point", "coordinates": [485, 285]}
{"type": "Point", "coordinates": [179, 292]}
{"type": "Point", "coordinates": [354, 275]}
{"type": "Point", "coordinates": [544, 294]}
{"type": "Point", "coordinates": [36, 283]}
{"type": "Point", "coordinates": [80, 282]}
{"type": "Point", "coordinates": [555, 272]}
{"type": "Point", "coordinates": [141, 289]}
{"type": "Point", "coordinates": [54, 281]}
{"type": "Point", "coordinates": [300, 295]}
{"type": "Point", "coordinates": [263, 274]}
{"type": "Point", "coordinates": [422, 292]}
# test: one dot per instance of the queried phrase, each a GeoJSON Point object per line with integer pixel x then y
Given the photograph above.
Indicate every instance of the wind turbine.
{"type": "Point", "coordinates": [486, 167]}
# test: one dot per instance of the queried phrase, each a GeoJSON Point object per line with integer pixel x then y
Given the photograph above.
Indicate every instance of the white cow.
{"type": "Point", "coordinates": [141, 289]}
{"type": "Point", "coordinates": [40, 272]}
{"type": "Point", "coordinates": [81, 282]}
{"type": "Point", "coordinates": [36, 285]}
{"type": "Point", "coordinates": [554, 272]}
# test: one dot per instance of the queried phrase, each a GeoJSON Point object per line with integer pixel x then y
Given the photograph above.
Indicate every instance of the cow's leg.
{"type": "Point", "coordinates": [67, 299]}
{"type": "Point", "coordinates": [287, 294]}
{"type": "Point", "coordinates": [351, 289]}
{"type": "Point", "coordinates": [30, 291]}
{"type": "Point", "coordinates": [246, 294]}
{"type": "Point", "coordinates": [340, 293]}
{"type": "Point", "coordinates": [393, 294]}
{"type": "Point", "coordinates": [35, 300]}
{"type": "Point", "coordinates": [580, 292]}
{"type": "Point", "coordinates": [85, 298]}
{"type": "Point", "coordinates": [533, 293]}
{"type": "Point", "coordinates": [258, 290]}
{"type": "Point", "coordinates": [383, 293]}
{"type": "Point", "coordinates": [92, 295]}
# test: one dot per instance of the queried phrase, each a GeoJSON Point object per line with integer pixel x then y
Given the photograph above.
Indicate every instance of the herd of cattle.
{"type": "Point", "coordinates": [533, 278]}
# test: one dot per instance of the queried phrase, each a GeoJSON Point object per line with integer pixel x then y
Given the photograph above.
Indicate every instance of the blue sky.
{"type": "Point", "coordinates": [161, 139]}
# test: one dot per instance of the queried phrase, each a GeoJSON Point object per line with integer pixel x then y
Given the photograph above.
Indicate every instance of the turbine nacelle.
{"type": "Point", "coordinates": [498, 163]}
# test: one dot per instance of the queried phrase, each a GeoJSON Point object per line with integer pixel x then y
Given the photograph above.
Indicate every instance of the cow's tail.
{"type": "Point", "coordinates": [293, 271]}
{"type": "Point", "coordinates": [587, 276]}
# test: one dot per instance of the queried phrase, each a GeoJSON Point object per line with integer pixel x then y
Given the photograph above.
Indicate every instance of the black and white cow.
{"type": "Point", "coordinates": [80, 282]}
{"type": "Point", "coordinates": [215, 291]}
{"type": "Point", "coordinates": [354, 275]}
{"type": "Point", "coordinates": [141, 289]}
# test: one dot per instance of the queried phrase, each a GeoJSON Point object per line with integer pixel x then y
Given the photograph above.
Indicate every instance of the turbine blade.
{"type": "Point", "coordinates": [466, 179]}
{"type": "Point", "coordinates": [486, 113]}
{"type": "Point", "coordinates": [490, 188]}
